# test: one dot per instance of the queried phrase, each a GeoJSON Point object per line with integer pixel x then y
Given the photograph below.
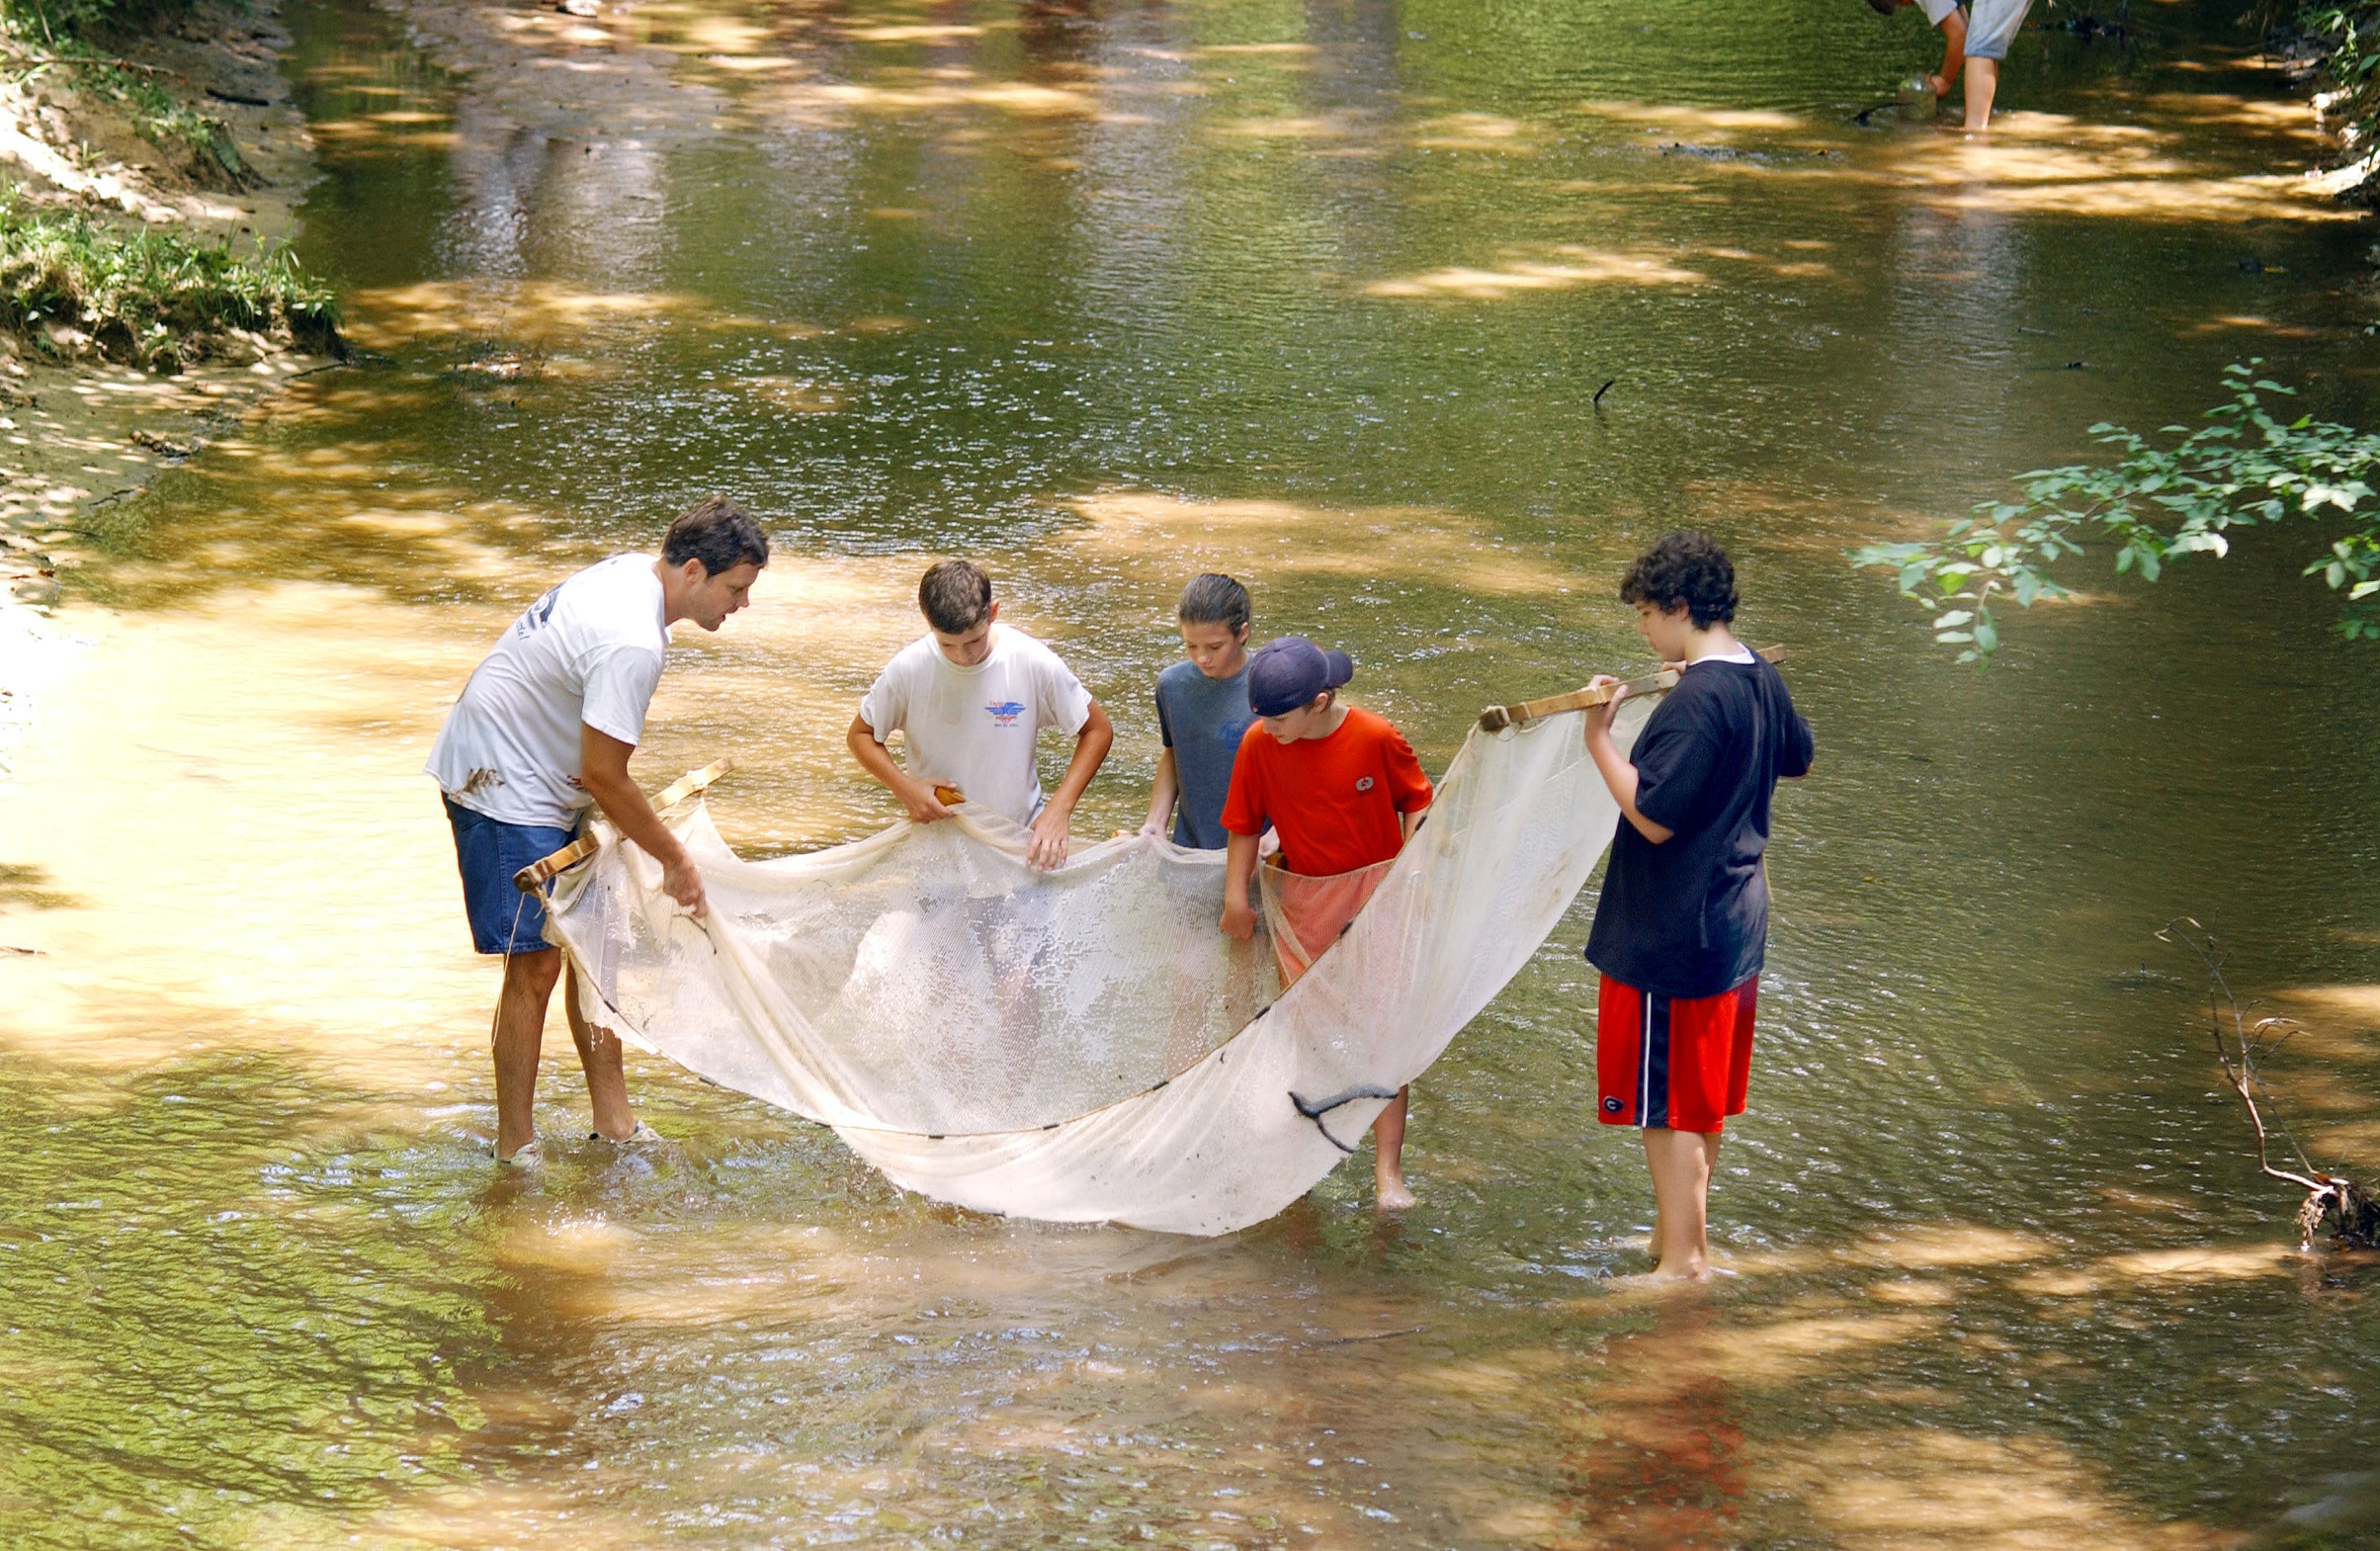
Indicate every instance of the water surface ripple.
{"type": "Point", "coordinates": [1321, 294]}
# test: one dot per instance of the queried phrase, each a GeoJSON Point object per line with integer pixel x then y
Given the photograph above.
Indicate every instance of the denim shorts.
{"type": "Point", "coordinates": [1991, 26]}
{"type": "Point", "coordinates": [488, 852]}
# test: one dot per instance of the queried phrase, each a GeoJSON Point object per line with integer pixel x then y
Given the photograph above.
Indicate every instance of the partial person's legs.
{"type": "Point", "coordinates": [1991, 28]}
{"type": "Point", "coordinates": [598, 1056]}
{"type": "Point", "coordinates": [519, 1032]}
{"type": "Point", "coordinates": [1983, 79]}
{"type": "Point", "coordinates": [1388, 1155]}
{"type": "Point", "coordinates": [1656, 1243]}
{"type": "Point", "coordinates": [1680, 1161]}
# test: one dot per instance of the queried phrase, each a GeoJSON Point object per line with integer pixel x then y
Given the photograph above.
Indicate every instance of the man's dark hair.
{"type": "Point", "coordinates": [1212, 598]}
{"type": "Point", "coordinates": [716, 531]}
{"type": "Point", "coordinates": [1683, 569]}
{"type": "Point", "coordinates": [955, 595]}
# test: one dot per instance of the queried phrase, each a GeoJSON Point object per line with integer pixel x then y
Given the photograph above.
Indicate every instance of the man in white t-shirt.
{"type": "Point", "coordinates": [544, 729]}
{"type": "Point", "coordinates": [970, 697]}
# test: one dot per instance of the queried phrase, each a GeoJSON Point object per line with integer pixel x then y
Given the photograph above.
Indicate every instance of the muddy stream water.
{"type": "Point", "coordinates": [1321, 294]}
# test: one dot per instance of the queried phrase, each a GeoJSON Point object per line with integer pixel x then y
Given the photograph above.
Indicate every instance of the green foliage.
{"type": "Point", "coordinates": [2154, 504]}
{"type": "Point", "coordinates": [53, 21]}
{"type": "Point", "coordinates": [157, 114]}
{"type": "Point", "coordinates": [148, 295]}
{"type": "Point", "coordinates": [2351, 34]}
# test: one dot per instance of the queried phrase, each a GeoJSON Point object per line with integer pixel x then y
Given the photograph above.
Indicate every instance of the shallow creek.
{"type": "Point", "coordinates": [1323, 295]}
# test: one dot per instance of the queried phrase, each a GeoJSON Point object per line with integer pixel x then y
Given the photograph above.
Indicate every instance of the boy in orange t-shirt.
{"type": "Point", "coordinates": [1341, 789]}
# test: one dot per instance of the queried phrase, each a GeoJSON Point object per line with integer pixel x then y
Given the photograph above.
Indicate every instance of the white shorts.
{"type": "Point", "coordinates": [1991, 26]}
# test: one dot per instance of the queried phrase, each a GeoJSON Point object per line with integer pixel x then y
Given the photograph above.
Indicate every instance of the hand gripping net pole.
{"type": "Point", "coordinates": [1086, 1044]}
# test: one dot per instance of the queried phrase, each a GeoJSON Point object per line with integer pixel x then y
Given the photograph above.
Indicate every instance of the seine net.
{"type": "Point", "coordinates": [1086, 1044]}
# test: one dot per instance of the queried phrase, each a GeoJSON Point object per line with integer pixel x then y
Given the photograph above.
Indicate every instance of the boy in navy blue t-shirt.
{"type": "Point", "coordinates": [1202, 714]}
{"type": "Point", "coordinates": [1683, 919]}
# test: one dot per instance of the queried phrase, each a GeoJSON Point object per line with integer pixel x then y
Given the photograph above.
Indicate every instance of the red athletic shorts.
{"type": "Point", "coordinates": [1663, 1061]}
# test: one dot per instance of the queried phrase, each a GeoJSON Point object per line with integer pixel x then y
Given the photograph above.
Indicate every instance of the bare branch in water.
{"type": "Point", "coordinates": [2334, 1206]}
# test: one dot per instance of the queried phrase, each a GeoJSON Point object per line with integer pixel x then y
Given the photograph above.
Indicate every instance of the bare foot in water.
{"type": "Point", "coordinates": [1389, 1193]}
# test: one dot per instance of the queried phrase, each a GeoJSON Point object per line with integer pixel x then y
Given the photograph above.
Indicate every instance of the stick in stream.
{"type": "Point", "coordinates": [2335, 1206]}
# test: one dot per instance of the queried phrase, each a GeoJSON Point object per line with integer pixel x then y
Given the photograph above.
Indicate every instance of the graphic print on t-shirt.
{"type": "Point", "coordinates": [534, 616]}
{"type": "Point", "coordinates": [1004, 713]}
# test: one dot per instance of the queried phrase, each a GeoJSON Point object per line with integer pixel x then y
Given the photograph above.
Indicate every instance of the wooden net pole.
{"type": "Point", "coordinates": [1495, 719]}
{"type": "Point", "coordinates": [536, 874]}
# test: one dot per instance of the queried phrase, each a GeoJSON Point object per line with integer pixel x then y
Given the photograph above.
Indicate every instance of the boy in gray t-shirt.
{"type": "Point", "coordinates": [1202, 713]}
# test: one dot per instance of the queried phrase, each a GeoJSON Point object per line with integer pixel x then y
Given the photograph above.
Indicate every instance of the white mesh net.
{"type": "Point", "coordinates": [1085, 1045]}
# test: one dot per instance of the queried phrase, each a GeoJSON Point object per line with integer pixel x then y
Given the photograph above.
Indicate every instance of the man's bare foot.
{"type": "Point", "coordinates": [1391, 1195]}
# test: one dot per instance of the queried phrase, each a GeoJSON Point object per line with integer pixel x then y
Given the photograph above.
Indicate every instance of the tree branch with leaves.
{"type": "Point", "coordinates": [2154, 504]}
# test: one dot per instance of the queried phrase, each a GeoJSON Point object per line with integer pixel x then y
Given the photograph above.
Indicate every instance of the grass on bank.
{"type": "Point", "coordinates": [151, 299]}
{"type": "Point", "coordinates": [157, 114]}
{"type": "Point", "coordinates": [45, 37]}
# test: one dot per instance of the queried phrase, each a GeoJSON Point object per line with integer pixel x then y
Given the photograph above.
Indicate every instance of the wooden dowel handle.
{"type": "Point", "coordinates": [553, 865]}
{"type": "Point", "coordinates": [1495, 719]}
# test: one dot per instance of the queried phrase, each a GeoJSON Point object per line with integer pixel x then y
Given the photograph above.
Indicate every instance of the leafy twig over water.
{"type": "Point", "coordinates": [2157, 503]}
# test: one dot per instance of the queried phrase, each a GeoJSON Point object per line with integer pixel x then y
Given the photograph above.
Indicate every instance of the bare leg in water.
{"type": "Point", "coordinates": [599, 1057]}
{"type": "Point", "coordinates": [1388, 1155]}
{"type": "Point", "coordinates": [1681, 1163]}
{"type": "Point", "coordinates": [520, 1035]}
{"type": "Point", "coordinates": [1982, 80]}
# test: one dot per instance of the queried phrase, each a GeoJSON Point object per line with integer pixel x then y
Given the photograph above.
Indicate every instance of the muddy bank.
{"type": "Point", "coordinates": [77, 429]}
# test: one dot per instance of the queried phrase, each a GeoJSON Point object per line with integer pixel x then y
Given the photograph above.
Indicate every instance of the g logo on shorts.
{"type": "Point", "coordinates": [1612, 1105]}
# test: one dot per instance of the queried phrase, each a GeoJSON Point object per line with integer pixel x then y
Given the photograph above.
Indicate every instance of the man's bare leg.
{"type": "Point", "coordinates": [519, 1032]}
{"type": "Point", "coordinates": [1983, 79]}
{"type": "Point", "coordinates": [600, 1058]}
{"type": "Point", "coordinates": [1388, 1155]}
{"type": "Point", "coordinates": [1680, 1161]}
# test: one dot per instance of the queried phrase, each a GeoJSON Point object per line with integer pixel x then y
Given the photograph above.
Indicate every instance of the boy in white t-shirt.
{"type": "Point", "coordinates": [971, 696]}
{"type": "Point", "coordinates": [543, 730]}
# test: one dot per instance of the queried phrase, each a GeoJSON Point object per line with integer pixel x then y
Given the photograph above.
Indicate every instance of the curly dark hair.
{"type": "Point", "coordinates": [1685, 570]}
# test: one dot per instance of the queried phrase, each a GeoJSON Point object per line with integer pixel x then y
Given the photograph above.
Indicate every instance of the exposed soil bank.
{"type": "Point", "coordinates": [75, 429]}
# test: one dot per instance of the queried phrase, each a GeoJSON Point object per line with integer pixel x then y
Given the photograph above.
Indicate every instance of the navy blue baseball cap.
{"type": "Point", "coordinates": [1288, 672]}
